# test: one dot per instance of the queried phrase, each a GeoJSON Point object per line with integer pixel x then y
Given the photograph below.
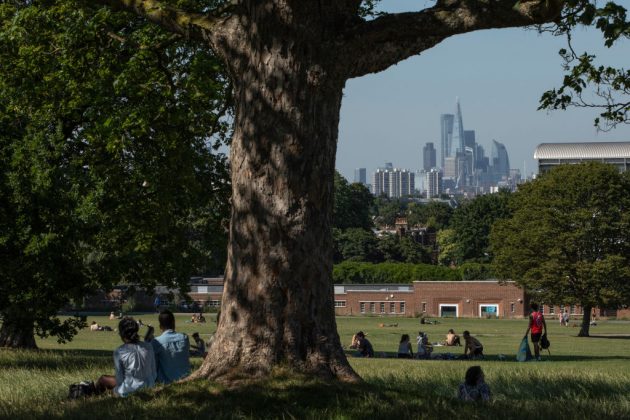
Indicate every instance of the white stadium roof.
{"type": "Point", "coordinates": [594, 150]}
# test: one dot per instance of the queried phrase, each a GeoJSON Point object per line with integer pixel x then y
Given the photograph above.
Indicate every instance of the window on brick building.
{"type": "Point", "coordinates": [552, 309]}
{"type": "Point", "coordinates": [512, 307]}
{"type": "Point", "coordinates": [402, 307]}
{"type": "Point", "coordinates": [542, 309]}
{"type": "Point", "coordinates": [489, 310]}
{"type": "Point", "coordinates": [392, 308]}
{"type": "Point", "coordinates": [340, 304]}
{"type": "Point", "coordinates": [424, 306]}
{"type": "Point", "coordinates": [572, 309]}
{"type": "Point", "coordinates": [362, 307]}
{"type": "Point", "coordinates": [372, 307]}
{"type": "Point", "coordinates": [382, 305]}
{"type": "Point", "coordinates": [214, 303]}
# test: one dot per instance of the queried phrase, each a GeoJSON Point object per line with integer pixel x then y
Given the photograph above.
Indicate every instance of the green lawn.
{"type": "Point", "coordinates": [583, 378]}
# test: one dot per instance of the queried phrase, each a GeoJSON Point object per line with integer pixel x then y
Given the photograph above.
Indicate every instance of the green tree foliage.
{"type": "Point", "coordinates": [390, 272]}
{"type": "Point", "coordinates": [472, 222]}
{"type": "Point", "coordinates": [477, 271]}
{"type": "Point", "coordinates": [352, 204]}
{"type": "Point", "coordinates": [447, 247]}
{"type": "Point", "coordinates": [363, 245]}
{"type": "Point", "coordinates": [586, 83]}
{"type": "Point", "coordinates": [568, 240]}
{"type": "Point", "coordinates": [436, 214]}
{"type": "Point", "coordinates": [356, 244]}
{"type": "Point", "coordinates": [107, 131]}
{"type": "Point", "coordinates": [386, 210]}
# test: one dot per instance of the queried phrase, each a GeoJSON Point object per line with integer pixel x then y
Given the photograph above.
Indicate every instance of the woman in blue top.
{"type": "Point", "coordinates": [134, 362]}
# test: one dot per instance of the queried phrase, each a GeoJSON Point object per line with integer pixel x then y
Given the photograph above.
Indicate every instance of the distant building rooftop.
{"type": "Point", "coordinates": [593, 150]}
{"type": "Point", "coordinates": [554, 154]}
{"type": "Point", "coordinates": [344, 288]}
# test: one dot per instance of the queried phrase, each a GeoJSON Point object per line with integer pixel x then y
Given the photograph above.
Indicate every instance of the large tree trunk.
{"type": "Point", "coordinates": [17, 333]}
{"type": "Point", "coordinates": [586, 321]}
{"type": "Point", "coordinates": [277, 306]}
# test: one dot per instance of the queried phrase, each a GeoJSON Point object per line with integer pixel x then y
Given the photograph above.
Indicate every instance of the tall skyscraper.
{"type": "Point", "coordinates": [500, 161]}
{"type": "Point", "coordinates": [450, 167]}
{"type": "Point", "coordinates": [428, 157]}
{"type": "Point", "coordinates": [458, 130]}
{"type": "Point", "coordinates": [469, 138]}
{"type": "Point", "coordinates": [446, 136]}
{"type": "Point", "coordinates": [434, 183]}
{"type": "Point", "coordinates": [360, 176]}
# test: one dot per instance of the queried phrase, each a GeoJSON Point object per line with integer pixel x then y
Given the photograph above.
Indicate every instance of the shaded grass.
{"type": "Point", "coordinates": [584, 378]}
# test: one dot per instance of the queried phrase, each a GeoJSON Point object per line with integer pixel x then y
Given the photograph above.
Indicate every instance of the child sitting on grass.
{"type": "Point", "coordinates": [474, 388]}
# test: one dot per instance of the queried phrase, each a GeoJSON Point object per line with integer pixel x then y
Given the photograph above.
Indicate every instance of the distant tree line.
{"type": "Point", "coordinates": [462, 235]}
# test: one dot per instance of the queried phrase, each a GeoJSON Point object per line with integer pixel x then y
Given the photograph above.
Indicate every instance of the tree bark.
{"type": "Point", "coordinates": [17, 333]}
{"type": "Point", "coordinates": [289, 60]}
{"type": "Point", "coordinates": [586, 322]}
{"type": "Point", "coordinates": [277, 306]}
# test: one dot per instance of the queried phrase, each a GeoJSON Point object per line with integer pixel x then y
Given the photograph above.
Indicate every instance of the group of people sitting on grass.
{"type": "Point", "coordinates": [143, 363]}
{"type": "Point", "coordinates": [473, 349]}
{"type": "Point", "coordinates": [198, 318]}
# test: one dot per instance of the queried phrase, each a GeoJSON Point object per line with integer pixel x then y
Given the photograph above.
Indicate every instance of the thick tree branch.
{"type": "Point", "coordinates": [189, 24]}
{"type": "Point", "coordinates": [372, 46]}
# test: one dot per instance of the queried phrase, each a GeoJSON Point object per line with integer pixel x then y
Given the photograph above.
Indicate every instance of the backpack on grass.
{"type": "Point", "coordinates": [81, 390]}
{"type": "Point", "coordinates": [544, 343]}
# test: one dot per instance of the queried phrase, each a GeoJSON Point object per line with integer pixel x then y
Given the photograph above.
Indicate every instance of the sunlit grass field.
{"type": "Point", "coordinates": [583, 378]}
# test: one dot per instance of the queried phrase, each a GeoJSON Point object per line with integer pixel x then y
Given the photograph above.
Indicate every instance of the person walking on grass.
{"type": "Point", "coordinates": [538, 327]}
{"type": "Point", "coordinates": [172, 350]}
{"type": "Point", "coordinates": [134, 362]}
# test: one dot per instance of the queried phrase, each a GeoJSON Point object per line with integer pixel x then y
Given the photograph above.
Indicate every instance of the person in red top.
{"type": "Point", "coordinates": [538, 326]}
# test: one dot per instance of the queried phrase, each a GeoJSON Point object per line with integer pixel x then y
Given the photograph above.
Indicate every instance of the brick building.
{"type": "Point", "coordinates": [430, 298]}
{"type": "Point", "coordinates": [433, 298]}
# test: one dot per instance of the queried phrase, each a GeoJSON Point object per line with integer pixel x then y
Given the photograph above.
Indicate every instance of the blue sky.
{"type": "Point", "coordinates": [498, 75]}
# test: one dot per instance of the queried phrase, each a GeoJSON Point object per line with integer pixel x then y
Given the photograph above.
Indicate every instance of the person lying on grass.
{"type": "Point", "coordinates": [134, 362]}
{"type": "Point", "coordinates": [474, 388]}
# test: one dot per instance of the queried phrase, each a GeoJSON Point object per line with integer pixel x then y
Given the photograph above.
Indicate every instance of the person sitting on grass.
{"type": "Point", "coordinates": [171, 350]}
{"type": "Point", "coordinates": [473, 348]}
{"type": "Point", "coordinates": [452, 339]}
{"type": "Point", "coordinates": [404, 348]}
{"type": "Point", "coordinates": [199, 348]}
{"type": "Point", "coordinates": [134, 362]}
{"type": "Point", "coordinates": [364, 346]}
{"type": "Point", "coordinates": [424, 347]}
{"type": "Point", "coordinates": [474, 388]}
{"type": "Point", "coordinates": [354, 343]}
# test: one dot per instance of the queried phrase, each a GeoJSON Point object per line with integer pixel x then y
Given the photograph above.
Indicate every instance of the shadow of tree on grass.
{"type": "Point", "coordinates": [298, 397]}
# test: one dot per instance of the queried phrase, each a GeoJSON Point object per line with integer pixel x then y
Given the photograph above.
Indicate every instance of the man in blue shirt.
{"type": "Point", "coordinates": [171, 351]}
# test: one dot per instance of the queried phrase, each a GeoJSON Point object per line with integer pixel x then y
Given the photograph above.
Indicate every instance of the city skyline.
{"type": "Point", "coordinates": [498, 75]}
